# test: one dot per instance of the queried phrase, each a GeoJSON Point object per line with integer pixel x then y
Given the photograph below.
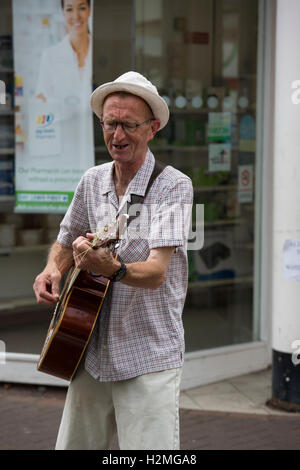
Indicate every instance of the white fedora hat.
{"type": "Point", "coordinates": [136, 84]}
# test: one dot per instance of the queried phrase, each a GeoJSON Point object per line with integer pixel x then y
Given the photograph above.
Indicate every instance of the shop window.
{"type": "Point", "coordinates": [202, 55]}
{"type": "Point", "coordinates": [26, 237]}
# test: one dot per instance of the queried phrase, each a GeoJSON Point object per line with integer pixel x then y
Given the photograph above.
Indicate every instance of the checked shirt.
{"type": "Point", "coordinates": [138, 330]}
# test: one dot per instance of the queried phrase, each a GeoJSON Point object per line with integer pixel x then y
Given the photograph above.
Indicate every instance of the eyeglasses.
{"type": "Point", "coordinates": [127, 126]}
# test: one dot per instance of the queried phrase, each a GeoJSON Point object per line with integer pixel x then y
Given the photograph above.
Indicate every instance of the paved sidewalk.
{"type": "Point", "coordinates": [228, 415]}
{"type": "Point", "coordinates": [243, 394]}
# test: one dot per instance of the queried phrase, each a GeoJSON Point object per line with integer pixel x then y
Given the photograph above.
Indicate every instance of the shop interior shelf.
{"type": "Point", "coordinates": [181, 148]}
{"type": "Point", "coordinates": [7, 113]}
{"type": "Point", "coordinates": [165, 148]}
{"type": "Point", "coordinates": [206, 111]}
{"type": "Point", "coordinates": [7, 151]}
{"type": "Point", "coordinates": [22, 249]}
{"type": "Point", "coordinates": [100, 148]}
{"type": "Point", "coordinates": [223, 222]}
{"type": "Point", "coordinates": [188, 110]}
{"type": "Point", "coordinates": [7, 198]}
{"type": "Point", "coordinates": [6, 70]}
{"type": "Point", "coordinates": [15, 303]}
{"type": "Point", "coordinates": [220, 187]}
{"type": "Point", "coordinates": [219, 282]}
{"type": "Point", "coordinates": [6, 203]}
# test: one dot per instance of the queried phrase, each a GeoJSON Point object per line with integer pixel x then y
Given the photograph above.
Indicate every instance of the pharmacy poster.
{"type": "Point", "coordinates": [53, 84]}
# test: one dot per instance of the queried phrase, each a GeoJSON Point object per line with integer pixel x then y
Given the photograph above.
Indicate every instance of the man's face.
{"type": "Point", "coordinates": [125, 147]}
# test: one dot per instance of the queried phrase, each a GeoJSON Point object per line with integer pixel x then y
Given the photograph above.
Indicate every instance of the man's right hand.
{"type": "Point", "coordinates": [46, 287]}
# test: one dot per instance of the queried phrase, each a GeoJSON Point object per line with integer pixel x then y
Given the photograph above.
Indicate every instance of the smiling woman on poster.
{"type": "Point", "coordinates": [64, 82]}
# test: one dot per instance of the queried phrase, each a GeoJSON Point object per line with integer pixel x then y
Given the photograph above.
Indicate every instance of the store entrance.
{"type": "Point", "coordinates": [202, 55]}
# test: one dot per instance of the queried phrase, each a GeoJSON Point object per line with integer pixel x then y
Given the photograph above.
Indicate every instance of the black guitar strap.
{"type": "Point", "coordinates": [158, 168]}
{"type": "Point", "coordinates": [137, 199]}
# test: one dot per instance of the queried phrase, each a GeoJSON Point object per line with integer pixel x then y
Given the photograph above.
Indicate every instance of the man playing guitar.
{"type": "Point", "coordinates": [129, 377]}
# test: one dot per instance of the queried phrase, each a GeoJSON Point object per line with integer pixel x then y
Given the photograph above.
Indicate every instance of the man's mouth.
{"type": "Point", "coordinates": [120, 147]}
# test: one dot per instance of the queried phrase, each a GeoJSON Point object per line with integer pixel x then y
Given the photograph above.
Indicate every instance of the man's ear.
{"type": "Point", "coordinates": [155, 125]}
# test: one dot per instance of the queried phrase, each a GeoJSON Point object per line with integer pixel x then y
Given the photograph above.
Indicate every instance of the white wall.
{"type": "Point", "coordinates": [286, 193]}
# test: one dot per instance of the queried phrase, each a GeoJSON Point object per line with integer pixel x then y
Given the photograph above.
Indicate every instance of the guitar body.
{"type": "Point", "coordinates": [72, 324]}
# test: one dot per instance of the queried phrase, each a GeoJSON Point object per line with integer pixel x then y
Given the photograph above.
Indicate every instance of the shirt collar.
{"type": "Point", "coordinates": [108, 180]}
{"type": "Point", "coordinates": [139, 182]}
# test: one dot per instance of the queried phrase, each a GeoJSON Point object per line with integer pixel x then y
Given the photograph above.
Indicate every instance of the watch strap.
{"type": "Point", "coordinates": [119, 274]}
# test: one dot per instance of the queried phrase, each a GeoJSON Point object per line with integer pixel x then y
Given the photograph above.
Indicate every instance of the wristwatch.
{"type": "Point", "coordinates": [119, 274]}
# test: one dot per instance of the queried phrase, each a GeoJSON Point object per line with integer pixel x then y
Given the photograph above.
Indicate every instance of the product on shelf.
{"type": "Point", "coordinates": [247, 134]}
{"type": "Point", "coordinates": [7, 235]}
{"type": "Point", "coordinates": [52, 220]}
{"type": "Point", "coordinates": [7, 138]}
{"type": "Point", "coordinates": [214, 97]}
{"type": "Point", "coordinates": [201, 177]}
{"type": "Point", "coordinates": [11, 218]}
{"type": "Point", "coordinates": [219, 127]}
{"type": "Point", "coordinates": [233, 209]}
{"type": "Point", "coordinates": [50, 235]}
{"type": "Point", "coordinates": [195, 132]}
{"type": "Point", "coordinates": [7, 177]}
{"type": "Point", "coordinates": [30, 237]}
{"type": "Point", "coordinates": [6, 55]}
{"type": "Point", "coordinates": [213, 210]}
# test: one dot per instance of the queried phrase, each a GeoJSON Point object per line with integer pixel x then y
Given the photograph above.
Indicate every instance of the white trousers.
{"type": "Point", "coordinates": [144, 411]}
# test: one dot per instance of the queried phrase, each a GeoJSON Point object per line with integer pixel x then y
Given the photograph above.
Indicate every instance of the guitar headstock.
{"type": "Point", "coordinates": [107, 237]}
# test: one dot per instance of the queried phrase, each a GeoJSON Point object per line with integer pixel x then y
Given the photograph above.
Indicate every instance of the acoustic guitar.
{"type": "Point", "coordinates": [75, 316]}
{"type": "Point", "coordinates": [81, 300]}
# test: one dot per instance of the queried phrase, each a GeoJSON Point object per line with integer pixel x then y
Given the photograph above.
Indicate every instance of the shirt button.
{"type": "Point", "coordinates": [104, 347]}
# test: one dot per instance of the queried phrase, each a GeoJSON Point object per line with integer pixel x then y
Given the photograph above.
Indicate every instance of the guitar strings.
{"type": "Point", "coordinates": [98, 237]}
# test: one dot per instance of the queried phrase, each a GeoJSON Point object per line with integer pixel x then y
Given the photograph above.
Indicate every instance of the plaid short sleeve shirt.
{"type": "Point", "coordinates": [138, 330]}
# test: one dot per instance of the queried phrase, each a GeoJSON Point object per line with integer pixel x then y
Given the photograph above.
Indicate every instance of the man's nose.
{"type": "Point", "coordinates": [119, 131]}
